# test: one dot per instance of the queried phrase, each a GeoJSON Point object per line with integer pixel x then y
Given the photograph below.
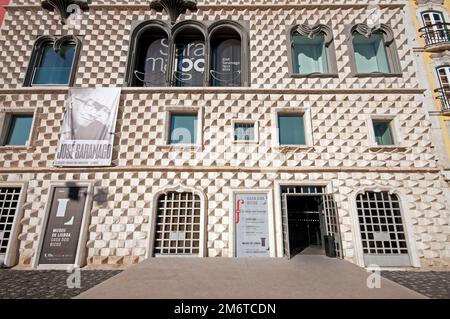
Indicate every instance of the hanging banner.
{"type": "Point", "coordinates": [63, 226]}
{"type": "Point", "coordinates": [252, 229]}
{"type": "Point", "coordinates": [87, 133]}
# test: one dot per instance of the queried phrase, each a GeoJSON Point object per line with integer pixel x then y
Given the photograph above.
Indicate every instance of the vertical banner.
{"type": "Point", "coordinates": [252, 228]}
{"type": "Point", "coordinates": [87, 133]}
{"type": "Point", "coordinates": [63, 226]}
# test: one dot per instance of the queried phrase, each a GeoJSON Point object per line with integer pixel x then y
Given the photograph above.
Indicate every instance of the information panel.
{"type": "Point", "coordinates": [63, 226]}
{"type": "Point", "coordinates": [252, 228]}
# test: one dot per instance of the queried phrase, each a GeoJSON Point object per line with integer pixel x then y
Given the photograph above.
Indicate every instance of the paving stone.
{"type": "Point", "coordinates": [432, 284]}
{"type": "Point", "coordinates": [47, 284]}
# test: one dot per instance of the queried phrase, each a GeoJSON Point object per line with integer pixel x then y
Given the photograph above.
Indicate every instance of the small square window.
{"type": "Point", "coordinates": [291, 130]}
{"type": "Point", "coordinates": [244, 132]}
{"type": "Point", "coordinates": [383, 132]}
{"type": "Point", "coordinates": [183, 129]}
{"type": "Point", "coordinates": [18, 129]}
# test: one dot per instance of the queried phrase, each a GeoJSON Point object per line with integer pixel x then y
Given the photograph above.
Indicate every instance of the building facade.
{"type": "Point", "coordinates": [244, 129]}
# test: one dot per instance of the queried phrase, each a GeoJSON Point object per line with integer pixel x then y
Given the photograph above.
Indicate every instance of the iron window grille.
{"type": "Point", "coordinates": [178, 224]}
{"type": "Point", "coordinates": [9, 202]}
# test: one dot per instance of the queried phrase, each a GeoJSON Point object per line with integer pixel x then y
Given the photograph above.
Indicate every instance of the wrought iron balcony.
{"type": "Point", "coordinates": [443, 94]}
{"type": "Point", "coordinates": [436, 35]}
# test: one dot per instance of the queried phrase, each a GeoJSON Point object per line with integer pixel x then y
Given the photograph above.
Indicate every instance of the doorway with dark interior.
{"type": "Point", "coordinates": [306, 225]}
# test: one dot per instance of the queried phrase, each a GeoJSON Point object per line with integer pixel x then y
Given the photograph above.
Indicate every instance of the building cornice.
{"type": "Point", "coordinates": [262, 7]}
{"type": "Point", "coordinates": [217, 90]}
{"type": "Point", "coordinates": [212, 169]}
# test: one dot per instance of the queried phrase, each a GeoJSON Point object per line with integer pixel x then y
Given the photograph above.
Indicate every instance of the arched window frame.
{"type": "Point", "coordinates": [138, 30]}
{"type": "Point", "coordinates": [180, 28]}
{"type": "Point", "coordinates": [389, 44]}
{"type": "Point", "coordinates": [179, 188]}
{"type": "Point", "coordinates": [245, 50]}
{"type": "Point", "coordinates": [311, 31]}
{"type": "Point", "coordinates": [38, 50]}
{"type": "Point", "coordinates": [172, 33]}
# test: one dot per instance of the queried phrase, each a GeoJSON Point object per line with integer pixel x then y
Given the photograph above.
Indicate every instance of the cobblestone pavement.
{"type": "Point", "coordinates": [47, 284]}
{"type": "Point", "coordinates": [432, 284]}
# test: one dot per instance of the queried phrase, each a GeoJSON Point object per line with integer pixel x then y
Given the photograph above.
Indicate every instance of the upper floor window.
{"type": "Point", "coordinates": [183, 128]}
{"type": "Point", "coordinates": [291, 129]}
{"type": "Point", "coordinates": [374, 50]}
{"type": "Point", "coordinates": [312, 50]}
{"type": "Point", "coordinates": [189, 58]}
{"type": "Point", "coordinates": [435, 29]}
{"type": "Point", "coordinates": [443, 73]}
{"type": "Point", "coordinates": [188, 54]}
{"type": "Point", "coordinates": [53, 61]}
{"type": "Point", "coordinates": [16, 129]}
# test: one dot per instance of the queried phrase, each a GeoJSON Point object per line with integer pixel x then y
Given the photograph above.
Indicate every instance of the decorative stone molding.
{"type": "Point", "coordinates": [311, 31]}
{"type": "Point", "coordinates": [174, 8]}
{"type": "Point", "coordinates": [63, 7]}
{"type": "Point", "coordinates": [367, 31]}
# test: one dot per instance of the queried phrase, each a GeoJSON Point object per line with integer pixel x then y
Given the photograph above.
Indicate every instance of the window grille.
{"type": "Point", "coordinates": [9, 202]}
{"type": "Point", "coordinates": [381, 225]}
{"type": "Point", "coordinates": [178, 224]}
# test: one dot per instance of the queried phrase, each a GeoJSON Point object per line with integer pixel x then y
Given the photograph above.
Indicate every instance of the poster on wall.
{"type": "Point", "coordinates": [87, 132]}
{"type": "Point", "coordinates": [63, 226]}
{"type": "Point", "coordinates": [252, 228]}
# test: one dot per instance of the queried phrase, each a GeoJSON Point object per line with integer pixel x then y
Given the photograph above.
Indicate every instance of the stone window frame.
{"type": "Point", "coordinates": [307, 123]}
{"type": "Point", "coordinates": [309, 31]}
{"type": "Point", "coordinates": [394, 124]}
{"type": "Point", "coordinates": [389, 44]}
{"type": "Point", "coordinates": [425, 6]}
{"type": "Point", "coordinates": [168, 111]}
{"type": "Point", "coordinates": [12, 252]}
{"type": "Point", "coordinates": [37, 52]}
{"type": "Point", "coordinates": [406, 217]}
{"type": "Point", "coordinates": [255, 131]}
{"type": "Point", "coordinates": [203, 218]}
{"type": "Point", "coordinates": [6, 115]}
{"type": "Point", "coordinates": [207, 28]}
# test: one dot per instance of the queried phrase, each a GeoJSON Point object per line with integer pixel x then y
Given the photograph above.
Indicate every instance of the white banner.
{"type": "Point", "coordinates": [87, 133]}
{"type": "Point", "coordinates": [252, 229]}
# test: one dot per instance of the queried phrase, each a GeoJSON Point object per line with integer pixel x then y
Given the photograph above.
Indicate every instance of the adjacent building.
{"type": "Point", "coordinates": [133, 130]}
{"type": "Point", "coordinates": [2, 10]}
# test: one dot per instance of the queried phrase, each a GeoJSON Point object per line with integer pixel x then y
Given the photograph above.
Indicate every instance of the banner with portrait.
{"type": "Point", "coordinates": [87, 132]}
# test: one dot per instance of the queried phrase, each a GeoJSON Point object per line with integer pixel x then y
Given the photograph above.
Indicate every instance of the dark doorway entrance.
{"type": "Point", "coordinates": [306, 226]}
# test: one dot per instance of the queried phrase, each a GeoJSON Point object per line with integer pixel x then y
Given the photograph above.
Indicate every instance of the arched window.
{"type": "Point", "coordinates": [152, 57]}
{"type": "Point", "coordinates": [226, 56]}
{"type": "Point", "coordinates": [178, 224]}
{"type": "Point", "coordinates": [374, 50]}
{"type": "Point", "coordinates": [188, 54]}
{"type": "Point", "coordinates": [53, 61]}
{"type": "Point", "coordinates": [149, 55]}
{"type": "Point", "coordinates": [312, 50]}
{"type": "Point", "coordinates": [189, 65]}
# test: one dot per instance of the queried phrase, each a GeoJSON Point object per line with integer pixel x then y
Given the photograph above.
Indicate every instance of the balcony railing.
{"type": "Point", "coordinates": [436, 34]}
{"type": "Point", "coordinates": [444, 96]}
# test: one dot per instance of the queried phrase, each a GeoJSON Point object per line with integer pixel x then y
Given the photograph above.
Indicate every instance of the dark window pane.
{"type": "Point", "coordinates": [154, 64]}
{"type": "Point", "coordinates": [226, 63]}
{"type": "Point", "coordinates": [291, 129]}
{"type": "Point", "coordinates": [383, 134]}
{"type": "Point", "coordinates": [55, 67]}
{"type": "Point", "coordinates": [19, 130]}
{"type": "Point", "coordinates": [190, 62]}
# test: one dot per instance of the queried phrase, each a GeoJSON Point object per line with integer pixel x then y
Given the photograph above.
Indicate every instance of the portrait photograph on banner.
{"type": "Point", "coordinates": [87, 132]}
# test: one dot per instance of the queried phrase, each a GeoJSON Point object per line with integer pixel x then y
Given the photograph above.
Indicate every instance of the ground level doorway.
{"type": "Point", "coordinates": [310, 222]}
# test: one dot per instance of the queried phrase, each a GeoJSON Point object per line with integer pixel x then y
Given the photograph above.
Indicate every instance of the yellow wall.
{"type": "Point", "coordinates": [431, 73]}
